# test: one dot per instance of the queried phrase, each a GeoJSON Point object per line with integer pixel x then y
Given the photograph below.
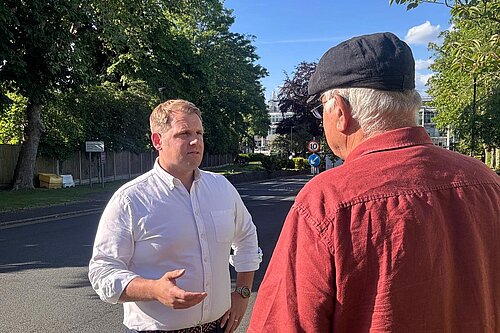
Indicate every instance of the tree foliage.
{"type": "Point", "coordinates": [94, 70]}
{"type": "Point", "coordinates": [465, 88]}
{"type": "Point", "coordinates": [12, 119]}
{"type": "Point", "coordinates": [40, 52]}
{"type": "Point", "coordinates": [293, 97]}
{"type": "Point", "coordinates": [120, 118]}
{"type": "Point", "coordinates": [461, 9]}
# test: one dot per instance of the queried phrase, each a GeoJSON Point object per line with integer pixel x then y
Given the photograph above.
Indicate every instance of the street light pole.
{"type": "Point", "coordinates": [291, 140]}
{"type": "Point", "coordinates": [160, 90]}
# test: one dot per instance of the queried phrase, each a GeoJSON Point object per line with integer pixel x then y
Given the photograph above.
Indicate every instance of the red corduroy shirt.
{"type": "Point", "coordinates": [403, 237]}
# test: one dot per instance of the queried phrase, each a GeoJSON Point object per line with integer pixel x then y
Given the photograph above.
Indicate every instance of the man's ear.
{"type": "Point", "coordinates": [156, 140]}
{"type": "Point", "coordinates": [344, 117]}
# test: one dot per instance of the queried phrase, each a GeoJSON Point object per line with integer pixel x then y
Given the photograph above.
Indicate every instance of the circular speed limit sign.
{"type": "Point", "coordinates": [313, 146]}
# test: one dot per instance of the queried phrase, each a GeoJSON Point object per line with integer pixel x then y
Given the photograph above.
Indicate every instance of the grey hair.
{"type": "Point", "coordinates": [159, 121]}
{"type": "Point", "coordinates": [378, 111]}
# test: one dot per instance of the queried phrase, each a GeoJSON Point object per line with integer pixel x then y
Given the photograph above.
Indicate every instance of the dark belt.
{"type": "Point", "coordinates": [203, 328]}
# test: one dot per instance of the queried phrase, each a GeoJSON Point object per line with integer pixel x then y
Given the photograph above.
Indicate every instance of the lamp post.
{"type": "Point", "coordinates": [291, 140]}
{"type": "Point", "coordinates": [160, 90]}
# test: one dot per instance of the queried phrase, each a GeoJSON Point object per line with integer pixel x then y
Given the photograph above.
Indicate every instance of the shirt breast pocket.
{"type": "Point", "coordinates": [223, 221]}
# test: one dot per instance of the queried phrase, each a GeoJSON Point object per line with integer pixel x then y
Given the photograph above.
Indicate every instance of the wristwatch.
{"type": "Point", "coordinates": [243, 291]}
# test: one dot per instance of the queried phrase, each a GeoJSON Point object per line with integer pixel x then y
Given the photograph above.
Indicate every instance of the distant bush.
{"type": "Point", "coordinates": [290, 164]}
{"type": "Point", "coordinates": [270, 163]}
{"type": "Point", "coordinates": [255, 157]}
{"type": "Point", "coordinates": [241, 159]}
{"type": "Point", "coordinates": [274, 163]}
{"type": "Point", "coordinates": [300, 163]}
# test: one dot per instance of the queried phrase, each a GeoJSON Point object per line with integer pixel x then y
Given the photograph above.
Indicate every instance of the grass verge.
{"type": "Point", "coordinates": [40, 197]}
{"type": "Point", "coordinates": [235, 169]}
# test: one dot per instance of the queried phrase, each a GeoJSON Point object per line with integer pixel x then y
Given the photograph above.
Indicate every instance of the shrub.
{"type": "Point", "coordinates": [290, 164]}
{"type": "Point", "coordinates": [301, 163]}
{"type": "Point", "coordinates": [255, 157]}
{"type": "Point", "coordinates": [242, 159]}
{"type": "Point", "coordinates": [270, 163]}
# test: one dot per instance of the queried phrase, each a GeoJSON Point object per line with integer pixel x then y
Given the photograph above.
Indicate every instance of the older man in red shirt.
{"type": "Point", "coordinates": [404, 236]}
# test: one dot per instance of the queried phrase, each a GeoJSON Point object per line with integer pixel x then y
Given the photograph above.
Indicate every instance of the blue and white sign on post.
{"type": "Point", "coordinates": [314, 160]}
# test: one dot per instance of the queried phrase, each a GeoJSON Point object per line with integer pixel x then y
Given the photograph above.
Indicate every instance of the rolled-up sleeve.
{"type": "Point", "coordinates": [112, 251]}
{"type": "Point", "coordinates": [247, 255]}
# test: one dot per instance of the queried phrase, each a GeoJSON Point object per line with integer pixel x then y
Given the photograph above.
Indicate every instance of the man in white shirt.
{"type": "Point", "coordinates": [163, 243]}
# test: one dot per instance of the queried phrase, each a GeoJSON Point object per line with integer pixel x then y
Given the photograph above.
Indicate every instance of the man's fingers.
{"type": "Point", "coordinates": [190, 297]}
{"type": "Point", "coordinates": [232, 325]}
{"type": "Point", "coordinates": [188, 300]}
{"type": "Point", "coordinates": [175, 274]}
{"type": "Point", "coordinates": [224, 319]}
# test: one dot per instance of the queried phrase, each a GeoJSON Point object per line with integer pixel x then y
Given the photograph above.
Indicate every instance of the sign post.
{"type": "Point", "coordinates": [314, 160]}
{"type": "Point", "coordinates": [103, 164]}
{"type": "Point", "coordinates": [93, 147]}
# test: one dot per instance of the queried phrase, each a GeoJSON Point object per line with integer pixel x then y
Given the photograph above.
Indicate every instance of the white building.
{"type": "Point", "coordinates": [262, 144]}
{"type": "Point", "coordinates": [425, 118]}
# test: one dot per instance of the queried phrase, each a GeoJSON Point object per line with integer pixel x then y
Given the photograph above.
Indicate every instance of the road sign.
{"type": "Point", "coordinates": [313, 146]}
{"type": "Point", "coordinates": [314, 160]}
{"type": "Point", "coordinates": [94, 146]}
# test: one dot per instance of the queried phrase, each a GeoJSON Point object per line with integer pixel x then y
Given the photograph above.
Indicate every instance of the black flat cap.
{"type": "Point", "coordinates": [378, 61]}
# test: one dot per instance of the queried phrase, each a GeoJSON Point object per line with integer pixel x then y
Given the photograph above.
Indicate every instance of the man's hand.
{"type": "Point", "coordinates": [234, 315]}
{"type": "Point", "coordinates": [167, 292]}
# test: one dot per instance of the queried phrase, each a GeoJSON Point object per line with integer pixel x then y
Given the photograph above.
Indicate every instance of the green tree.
{"type": "Point", "coordinates": [12, 118]}
{"type": "Point", "coordinates": [228, 91]}
{"type": "Point", "coordinates": [100, 113]}
{"type": "Point", "coordinates": [80, 65]}
{"type": "Point", "coordinates": [467, 65]}
{"type": "Point", "coordinates": [41, 51]}
{"type": "Point", "coordinates": [187, 51]}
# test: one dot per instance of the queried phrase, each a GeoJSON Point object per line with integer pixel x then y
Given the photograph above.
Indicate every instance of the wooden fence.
{"type": "Point", "coordinates": [85, 167]}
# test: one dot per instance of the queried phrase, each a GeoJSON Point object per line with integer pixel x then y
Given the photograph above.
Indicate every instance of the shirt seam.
{"type": "Point", "coordinates": [422, 190]}
{"type": "Point", "coordinates": [318, 225]}
{"type": "Point", "coordinates": [322, 226]}
{"type": "Point", "coordinates": [407, 144]}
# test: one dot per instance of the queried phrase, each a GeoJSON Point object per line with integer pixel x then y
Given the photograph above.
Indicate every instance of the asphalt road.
{"type": "Point", "coordinates": [43, 267]}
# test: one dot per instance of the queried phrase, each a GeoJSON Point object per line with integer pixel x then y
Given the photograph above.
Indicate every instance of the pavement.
{"type": "Point", "coordinates": [40, 214]}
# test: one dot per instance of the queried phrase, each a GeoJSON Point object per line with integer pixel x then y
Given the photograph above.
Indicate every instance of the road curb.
{"type": "Point", "coordinates": [48, 218]}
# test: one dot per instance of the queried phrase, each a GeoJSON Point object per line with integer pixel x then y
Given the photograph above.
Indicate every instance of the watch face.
{"type": "Point", "coordinates": [245, 292]}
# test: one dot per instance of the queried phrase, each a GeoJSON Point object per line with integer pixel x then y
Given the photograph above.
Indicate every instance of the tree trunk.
{"type": "Point", "coordinates": [25, 167]}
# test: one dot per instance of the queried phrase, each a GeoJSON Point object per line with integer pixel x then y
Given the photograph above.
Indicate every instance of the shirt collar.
{"type": "Point", "coordinates": [170, 180]}
{"type": "Point", "coordinates": [395, 139]}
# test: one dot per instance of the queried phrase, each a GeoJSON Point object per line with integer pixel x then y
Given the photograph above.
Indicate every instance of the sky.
{"type": "Point", "coordinates": [288, 32]}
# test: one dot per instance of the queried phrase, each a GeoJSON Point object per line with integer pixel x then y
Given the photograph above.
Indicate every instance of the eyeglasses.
{"type": "Point", "coordinates": [317, 111]}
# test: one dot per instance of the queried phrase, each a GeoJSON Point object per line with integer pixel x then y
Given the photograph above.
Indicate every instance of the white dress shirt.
{"type": "Point", "coordinates": [153, 225]}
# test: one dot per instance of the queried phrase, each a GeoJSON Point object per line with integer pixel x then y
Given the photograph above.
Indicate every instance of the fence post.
{"type": "Point", "coordinates": [129, 165]}
{"type": "Point", "coordinates": [80, 166]}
